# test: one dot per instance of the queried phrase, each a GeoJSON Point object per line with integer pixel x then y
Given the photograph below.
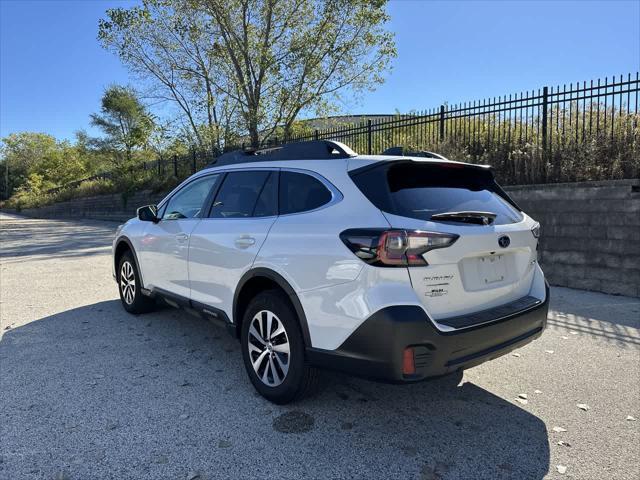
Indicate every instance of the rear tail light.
{"type": "Point", "coordinates": [394, 248]}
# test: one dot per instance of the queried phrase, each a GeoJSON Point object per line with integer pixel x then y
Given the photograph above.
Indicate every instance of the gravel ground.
{"type": "Point", "coordinates": [88, 391]}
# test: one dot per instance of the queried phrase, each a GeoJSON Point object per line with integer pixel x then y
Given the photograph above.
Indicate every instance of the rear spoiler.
{"type": "Point", "coordinates": [402, 152]}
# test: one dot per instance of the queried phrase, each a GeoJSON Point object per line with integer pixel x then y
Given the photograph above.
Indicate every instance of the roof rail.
{"type": "Point", "coordinates": [311, 150]}
{"type": "Point", "coordinates": [402, 152]}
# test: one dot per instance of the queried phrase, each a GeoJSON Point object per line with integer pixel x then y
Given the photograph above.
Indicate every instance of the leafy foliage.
{"type": "Point", "coordinates": [125, 123]}
{"type": "Point", "coordinates": [33, 195]}
{"type": "Point", "coordinates": [252, 65]}
{"type": "Point", "coordinates": [37, 161]}
{"type": "Point", "coordinates": [20, 153]}
{"type": "Point", "coordinates": [165, 44]}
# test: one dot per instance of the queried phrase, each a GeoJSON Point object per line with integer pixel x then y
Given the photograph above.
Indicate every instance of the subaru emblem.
{"type": "Point", "coordinates": [504, 241]}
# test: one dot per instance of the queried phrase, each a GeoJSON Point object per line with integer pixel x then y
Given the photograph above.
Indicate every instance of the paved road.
{"type": "Point", "coordinates": [87, 391]}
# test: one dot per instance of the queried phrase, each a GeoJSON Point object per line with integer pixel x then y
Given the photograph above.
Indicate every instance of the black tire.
{"type": "Point", "coordinates": [132, 299]}
{"type": "Point", "coordinates": [300, 379]}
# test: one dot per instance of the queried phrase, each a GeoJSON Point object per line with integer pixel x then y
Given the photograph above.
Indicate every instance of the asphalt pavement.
{"type": "Point", "coordinates": [88, 391]}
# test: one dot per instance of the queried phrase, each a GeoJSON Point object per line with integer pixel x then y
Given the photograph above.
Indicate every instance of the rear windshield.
{"type": "Point", "coordinates": [414, 190]}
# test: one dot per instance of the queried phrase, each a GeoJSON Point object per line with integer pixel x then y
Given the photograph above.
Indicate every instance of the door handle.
{"type": "Point", "coordinates": [182, 237]}
{"type": "Point", "coordinates": [245, 241]}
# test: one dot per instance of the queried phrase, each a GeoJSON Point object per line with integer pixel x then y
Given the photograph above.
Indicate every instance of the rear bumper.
{"type": "Point", "coordinates": [375, 349]}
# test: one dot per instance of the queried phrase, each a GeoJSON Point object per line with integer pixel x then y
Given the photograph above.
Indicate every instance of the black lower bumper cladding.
{"type": "Point", "coordinates": [375, 349]}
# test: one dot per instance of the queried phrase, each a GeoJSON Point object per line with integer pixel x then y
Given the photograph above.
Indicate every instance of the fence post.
{"type": "Point", "coordinates": [175, 165]}
{"type": "Point", "coordinates": [193, 166]}
{"type": "Point", "coordinates": [545, 103]}
{"type": "Point", "coordinates": [369, 137]}
{"type": "Point", "coordinates": [442, 122]}
{"type": "Point", "coordinates": [315, 134]}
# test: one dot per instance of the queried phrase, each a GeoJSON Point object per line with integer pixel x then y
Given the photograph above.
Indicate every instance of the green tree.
{"type": "Point", "coordinates": [285, 56]}
{"type": "Point", "coordinates": [125, 122]}
{"type": "Point", "coordinates": [166, 43]}
{"type": "Point", "coordinates": [257, 63]}
{"type": "Point", "coordinates": [62, 165]}
{"type": "Point", "coordinates": [94, 159]}
{"type": "Point", "coordinates": [20, 153]}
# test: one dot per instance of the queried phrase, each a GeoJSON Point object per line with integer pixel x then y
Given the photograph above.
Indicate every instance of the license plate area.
{"type": "Point", "coordinates": [492, 269]}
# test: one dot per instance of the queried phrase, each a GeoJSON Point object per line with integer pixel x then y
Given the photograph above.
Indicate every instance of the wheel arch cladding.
{"type": "Point", "coordinates": [124, 245]}
{"type": "Point", "coordinates": [259, 280]}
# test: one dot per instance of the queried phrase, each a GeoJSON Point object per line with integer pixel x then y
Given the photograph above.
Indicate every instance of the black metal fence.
{"type": "Point", "coordinates": [582, 131]}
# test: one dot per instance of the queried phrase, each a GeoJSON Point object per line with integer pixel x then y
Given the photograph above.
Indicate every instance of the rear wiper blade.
{"type": "Point", "coordinates": [482, 218]}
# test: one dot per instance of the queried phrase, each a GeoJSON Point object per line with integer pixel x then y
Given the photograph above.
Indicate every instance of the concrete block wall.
{"type": "Point", "coordinates": [590, 233]}
{"type": "Point", "coordinates": [102, 207]}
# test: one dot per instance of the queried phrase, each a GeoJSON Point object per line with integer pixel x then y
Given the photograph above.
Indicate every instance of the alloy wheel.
{"type": "Point", "coordinates": [268, 345]}
{"type": "Point", "coordinates": [128, 282]}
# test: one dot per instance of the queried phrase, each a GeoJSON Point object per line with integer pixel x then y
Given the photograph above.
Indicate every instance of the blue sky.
{"type": "Point", "coordinates": [53, 72]}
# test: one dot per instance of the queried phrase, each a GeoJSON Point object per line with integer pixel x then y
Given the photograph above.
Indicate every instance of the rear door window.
{"type": "Point", "coordinates": [419, 191]}
{"type": "Point", "coordinates": [300, 192]}
{"type": "Point", "coordinates": [239, 193]}
{"type": "Point", "coordinates": [267, 204]}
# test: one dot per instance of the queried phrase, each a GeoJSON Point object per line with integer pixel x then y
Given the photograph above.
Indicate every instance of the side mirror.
{"type": "Point", "coordinates": [148, 213]}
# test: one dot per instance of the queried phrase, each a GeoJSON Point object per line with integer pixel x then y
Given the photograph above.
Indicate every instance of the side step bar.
{"type": "Point", "coordinates": [214, 315]}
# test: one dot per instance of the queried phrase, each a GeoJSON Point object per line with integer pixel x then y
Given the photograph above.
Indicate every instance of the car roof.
{"type": "Point", "coordinates": [352, 163]}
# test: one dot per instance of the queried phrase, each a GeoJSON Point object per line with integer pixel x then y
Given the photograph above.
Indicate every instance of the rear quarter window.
{"type": "Point", "coordinates": [300, 192]}
{"type": "Point", "coordinates": [419, 191]}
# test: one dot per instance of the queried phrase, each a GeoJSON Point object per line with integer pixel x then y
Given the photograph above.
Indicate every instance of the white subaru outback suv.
{"type": "Point", "coordinates": [394, 268]}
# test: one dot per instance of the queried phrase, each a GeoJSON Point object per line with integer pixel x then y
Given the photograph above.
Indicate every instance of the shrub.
{"type": "Point", "coordinates": [32, 195]}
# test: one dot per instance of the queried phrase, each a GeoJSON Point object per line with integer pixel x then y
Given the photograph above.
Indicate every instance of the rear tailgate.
{"type": "Point", "coordinates": [475, 273]}
{"type": "Point", "coordinates": [492, 262]}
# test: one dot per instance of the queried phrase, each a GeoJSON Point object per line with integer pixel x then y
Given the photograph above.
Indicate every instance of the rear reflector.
{"type": "Point", "coordinates": [408, 362]}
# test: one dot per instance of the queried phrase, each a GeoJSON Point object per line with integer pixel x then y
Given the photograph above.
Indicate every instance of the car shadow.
{"type": "Point", "coordinates": [94, 393]}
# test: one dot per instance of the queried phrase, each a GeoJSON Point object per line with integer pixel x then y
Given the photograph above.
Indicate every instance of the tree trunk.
{"type": "Point", "coordinates": [254, 135]}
